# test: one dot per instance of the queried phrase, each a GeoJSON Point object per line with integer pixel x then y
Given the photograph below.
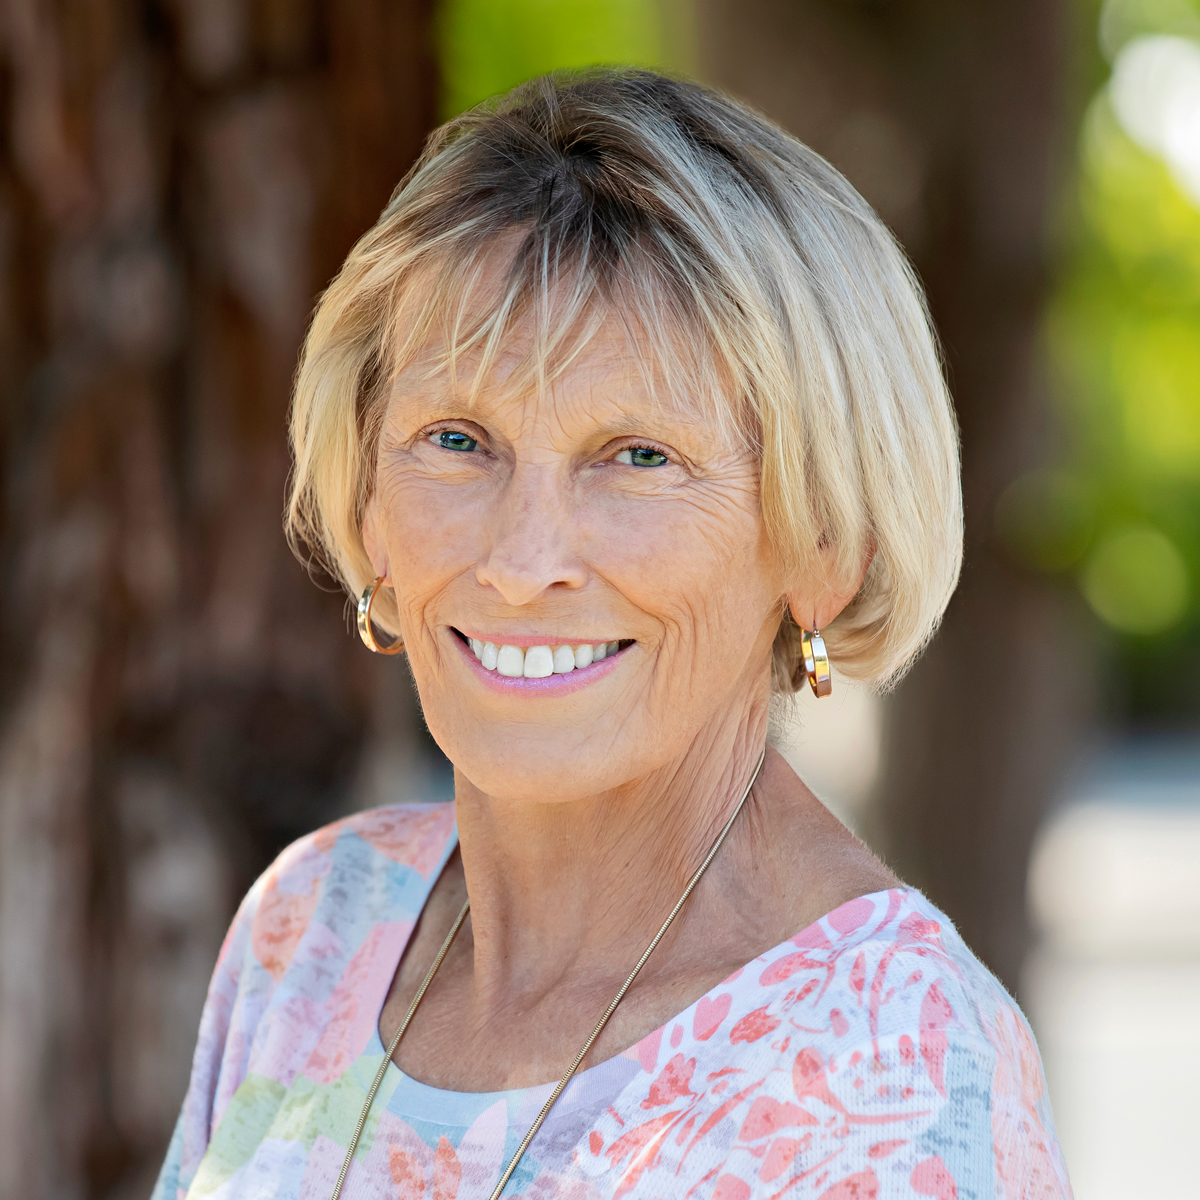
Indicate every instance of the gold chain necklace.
{"type": "Point", "coordinates": [608, 1012]}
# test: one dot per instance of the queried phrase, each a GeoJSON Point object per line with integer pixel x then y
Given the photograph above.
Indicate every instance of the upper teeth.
{"type": "Point", "coordinates": [539, 661]}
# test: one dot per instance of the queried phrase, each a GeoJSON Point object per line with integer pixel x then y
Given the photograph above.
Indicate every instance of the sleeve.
{"type": "Point", "coordinates": [219, 1063]}
{"type": "Point", "coordinates": [1028, 1158]}
{"type": "Point", "coordinates": [900, 1118]}
{"type": "Point", "coordinates": [166, 1187]}
{"type": "Point", "coordinates": [890, 1118]}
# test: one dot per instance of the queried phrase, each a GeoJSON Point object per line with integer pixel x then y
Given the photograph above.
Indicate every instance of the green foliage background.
{"type": "Point", "coordinates": [1119, 515]}
{"type": "Point", "coordinates": [486, 47]}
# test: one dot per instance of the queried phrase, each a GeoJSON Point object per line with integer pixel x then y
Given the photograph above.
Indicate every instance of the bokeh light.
{"type": "Point", "coordinates": [1047, 518]}
{"type": "Point", "coordinates": [1121, 508]}
{"type": "Point", "coordinates": [1136, 580]}
{"type": "Point", "coordinates": [1155, 90]}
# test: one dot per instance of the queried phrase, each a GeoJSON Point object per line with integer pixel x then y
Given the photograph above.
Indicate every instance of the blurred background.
{"type": "Point", "coordinates": [178, 180]}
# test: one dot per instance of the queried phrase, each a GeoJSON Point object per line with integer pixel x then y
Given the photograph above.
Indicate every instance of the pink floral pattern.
{"type": "Point", "coordinates": [871, 1056]}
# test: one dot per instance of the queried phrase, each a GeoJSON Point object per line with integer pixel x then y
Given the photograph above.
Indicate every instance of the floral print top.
{"type": "Point", "coordinates": [870, 1056]}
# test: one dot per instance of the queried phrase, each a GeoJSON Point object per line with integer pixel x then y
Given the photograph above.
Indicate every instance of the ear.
{"type": "Point", "coordinates": [817, 605]}
{"type": "Point", "coordinates": [373, 543]}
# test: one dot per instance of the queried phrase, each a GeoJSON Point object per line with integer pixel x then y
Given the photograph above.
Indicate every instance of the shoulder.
{"type": "Point", "coordinates": [881, 966]}
{"type": "Point", "coordinates": [367, 867]}
{"type": "Point", "coordinates": [321, 928]}
{"type": "Point", "coordinates": [408, 835]}
{"type": "Point", "coordinates": [872, 1041]}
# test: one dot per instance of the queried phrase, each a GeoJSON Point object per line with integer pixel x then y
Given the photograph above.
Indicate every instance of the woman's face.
{"type": "Point", "coordinates": [542, 528]}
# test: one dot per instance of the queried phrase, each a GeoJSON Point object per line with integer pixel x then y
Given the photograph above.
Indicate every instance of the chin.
{"type": "Point", "coordinates": [544, 767]}
{"type": "Point", "coordinates": [537, 774]}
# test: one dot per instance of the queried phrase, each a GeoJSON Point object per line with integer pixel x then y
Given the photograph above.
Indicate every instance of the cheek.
{"type": "Point", "coordinates": [431, 533]}
{"type": "Point", "coordinates": [699, 565]}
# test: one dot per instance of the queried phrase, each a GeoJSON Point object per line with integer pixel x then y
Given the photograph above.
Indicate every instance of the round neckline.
{"type": "Point", "coordinates": [444, 1105]}
{"type": "Point", "coordinates": [441, 1099]}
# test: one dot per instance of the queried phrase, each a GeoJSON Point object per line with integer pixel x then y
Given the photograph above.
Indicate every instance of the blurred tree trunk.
{"type": "Point", "coordinates": [177, 179]}
{"type": "Point", "coordinates": [949, 118]}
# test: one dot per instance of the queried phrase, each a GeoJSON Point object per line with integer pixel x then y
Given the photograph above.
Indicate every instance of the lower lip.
{"type": "Point", "coordinates": [557, 685]}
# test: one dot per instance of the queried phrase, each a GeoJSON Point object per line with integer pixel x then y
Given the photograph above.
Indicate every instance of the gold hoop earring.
{"type": "Point", "coordinates": [365, 630]}
{"type": "Point", "coordinates": [816, 662]}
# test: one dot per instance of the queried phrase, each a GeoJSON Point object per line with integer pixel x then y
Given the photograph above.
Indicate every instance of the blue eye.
{"type": "Point", "coordinates": [451, 439]}
{"type": "Point", "coordinates": [642, 456]}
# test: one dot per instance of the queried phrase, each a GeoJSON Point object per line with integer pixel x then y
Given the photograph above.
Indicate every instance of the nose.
{"type": "Point", "coordinates": [532, 544]}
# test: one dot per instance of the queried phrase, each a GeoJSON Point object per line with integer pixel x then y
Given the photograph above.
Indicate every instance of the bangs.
{"type": "Point", "coordinates": [462, 306]}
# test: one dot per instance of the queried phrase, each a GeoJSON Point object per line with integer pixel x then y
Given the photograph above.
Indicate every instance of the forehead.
{"type": "Point", "coordinates": [608, 378]}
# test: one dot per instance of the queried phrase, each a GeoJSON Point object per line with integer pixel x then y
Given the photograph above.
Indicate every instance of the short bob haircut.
{"type": "Point", "coordinates": [747, 274]}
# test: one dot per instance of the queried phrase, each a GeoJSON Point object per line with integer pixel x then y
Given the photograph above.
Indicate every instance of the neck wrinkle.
{"type": "Point", "coordinates": [568, 895]}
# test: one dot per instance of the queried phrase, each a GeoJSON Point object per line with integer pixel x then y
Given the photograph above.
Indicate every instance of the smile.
{"type": "Point", "coordinates": [540, 661]}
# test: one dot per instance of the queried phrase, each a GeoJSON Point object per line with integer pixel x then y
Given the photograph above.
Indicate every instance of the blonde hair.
{"type": "Point", "coordinates": [739, 259]}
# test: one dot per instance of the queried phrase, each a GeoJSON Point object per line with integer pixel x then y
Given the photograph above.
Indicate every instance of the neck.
{"type": "Point", "coordinates": [568, 891]}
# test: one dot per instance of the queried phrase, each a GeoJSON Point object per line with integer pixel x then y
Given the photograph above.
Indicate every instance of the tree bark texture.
{"type": "Point", "coordinates": [949, 118]}
{"type": "Point", "coordinates": [177, 180]}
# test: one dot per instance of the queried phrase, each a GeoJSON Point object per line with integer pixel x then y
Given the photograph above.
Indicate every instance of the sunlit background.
{"type": "Point", "coordinates": [1114, 512]}
{"type": "Point", "coordinates": [177, 181]}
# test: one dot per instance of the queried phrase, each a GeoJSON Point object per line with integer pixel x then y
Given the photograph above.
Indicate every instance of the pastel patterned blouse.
{"type": "Point", "coordinates": [870, 1056]}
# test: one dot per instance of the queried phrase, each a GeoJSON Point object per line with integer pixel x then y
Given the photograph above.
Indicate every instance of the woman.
{"type": "Point", "coordinates": [625, 398]}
